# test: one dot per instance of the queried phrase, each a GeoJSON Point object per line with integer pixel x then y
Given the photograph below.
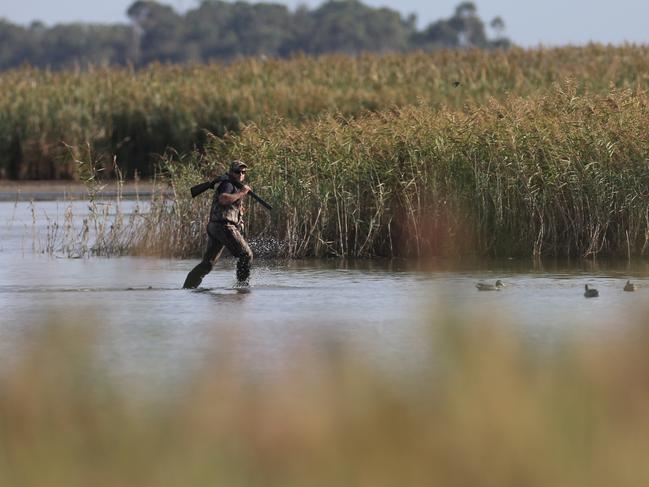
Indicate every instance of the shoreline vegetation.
{"type": "Point", "coordinates": [535, 153]}
{"type": "Point", "coordinates": [481, 407]}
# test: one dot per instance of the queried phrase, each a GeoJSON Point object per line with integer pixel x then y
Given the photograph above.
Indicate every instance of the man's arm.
{"type": "Point", "coordinates": [226, 199]}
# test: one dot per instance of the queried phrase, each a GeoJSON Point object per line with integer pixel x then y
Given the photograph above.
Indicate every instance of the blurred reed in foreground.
{"type": "Point", "coordinates": [484, 409]}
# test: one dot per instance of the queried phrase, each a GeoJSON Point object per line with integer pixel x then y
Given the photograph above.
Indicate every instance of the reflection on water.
{"type": "Point", "coordinates": [150, 327]}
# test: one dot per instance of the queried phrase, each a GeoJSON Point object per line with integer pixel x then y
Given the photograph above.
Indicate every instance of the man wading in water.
{"type": "Point", "coordinates": [224, 229]}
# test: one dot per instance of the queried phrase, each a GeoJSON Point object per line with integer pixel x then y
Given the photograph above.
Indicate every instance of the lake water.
{"type": "Point", "coordinates": [149, 328]}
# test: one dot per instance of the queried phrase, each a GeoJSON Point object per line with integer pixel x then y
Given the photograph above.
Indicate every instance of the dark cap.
{"type": "Point", "coordinates": [237, 165]}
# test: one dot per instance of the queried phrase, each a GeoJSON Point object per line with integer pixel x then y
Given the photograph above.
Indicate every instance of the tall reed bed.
{"type": "Point", "coordinates": [482, 407]}
{"type": "Point", "coordinates": [135, 114]}
{"type": "Point", "coordinates": [563, 174]}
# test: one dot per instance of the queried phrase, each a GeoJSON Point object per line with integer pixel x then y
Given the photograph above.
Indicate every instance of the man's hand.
{"type": "Point", "coordinates": [229, 198]}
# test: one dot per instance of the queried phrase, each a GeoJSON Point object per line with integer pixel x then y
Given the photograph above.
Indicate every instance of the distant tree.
{"type": "Point", "coordinates": [159, 30]}
{"type": "Point", "coordinates": [498, 25]}
{"type": "Point", "coordinates": [437, 35]}
{"type": "Point", "coordinates": [468, 25]}
{"type": "Point", "coordinates": [15, 44]}
{"type": "Point", "coordinates": [219, 29]}
{"type": "Point", "coordinates": [463, 29]}
{"type": "Point", "coordinates": [68, 45]}
{"type": "Point", "coordinates": [466, 10]}
{"type": "Point", "coordinates": [63, 45]}
{"type": "Point", "coordinates": [261, 28]}
{"type": "Point", "coordinates": [350, 26]}
{"type": "Point", "coordinates": [224, 30]}
{"type": "Point", "coordinates": [302, 23]}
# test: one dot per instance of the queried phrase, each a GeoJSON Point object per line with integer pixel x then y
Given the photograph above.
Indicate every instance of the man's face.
{"type": "Point", "coordinates": [239, 174]}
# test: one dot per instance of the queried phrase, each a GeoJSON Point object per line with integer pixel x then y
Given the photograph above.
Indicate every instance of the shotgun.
{"type": "Point", "coordinates": [201, 188]}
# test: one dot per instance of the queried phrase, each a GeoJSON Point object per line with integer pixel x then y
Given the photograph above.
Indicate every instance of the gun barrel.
{"type": "Point", "coordinates": [260, 201]}
{"type": "Point", "coordinates": [254, 195]}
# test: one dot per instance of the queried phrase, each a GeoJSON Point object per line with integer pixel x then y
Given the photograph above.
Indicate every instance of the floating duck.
{"type": "Point", "coordinates": [590, 292]}
{"type": "Point", "coordinates": [483, 286]}
{"type": "Point", "coordinates": [629, 286]}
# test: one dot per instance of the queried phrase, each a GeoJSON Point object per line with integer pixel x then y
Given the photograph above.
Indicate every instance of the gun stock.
{"type": "Point", "coordinates": [201, 188]}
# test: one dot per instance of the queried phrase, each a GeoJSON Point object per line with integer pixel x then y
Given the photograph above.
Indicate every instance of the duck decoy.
{"type": "Point", "coordinates": [629, 286]}
{"type": "Point", "coordinates": [590, 292]}
{"type": "Point", "coordinates": [483, 286]}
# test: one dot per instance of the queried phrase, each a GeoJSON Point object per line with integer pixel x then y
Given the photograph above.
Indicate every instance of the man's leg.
{"type": "Point", "coordinates": [238, 247]}
{"type": "Point", "coordinates": [244, 263]}
{"type": "Point", "coordinates": [196, 275]}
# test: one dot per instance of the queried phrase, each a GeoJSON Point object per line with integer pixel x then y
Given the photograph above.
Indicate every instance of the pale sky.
{"type": "Point", "coordinates": [529, 23]}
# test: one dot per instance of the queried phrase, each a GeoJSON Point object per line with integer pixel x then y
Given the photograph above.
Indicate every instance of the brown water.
{"type": "Point", "coordinates": [149, 328]}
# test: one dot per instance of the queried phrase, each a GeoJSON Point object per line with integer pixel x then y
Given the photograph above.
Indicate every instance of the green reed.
{"type": "Point", "coordinates": [135, 114]}
{"type": "Point", "coordinates": [563, 174]}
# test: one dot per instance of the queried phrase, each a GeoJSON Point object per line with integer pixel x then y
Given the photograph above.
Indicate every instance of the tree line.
{"type": "Point", "coordinates": [220, 30]}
